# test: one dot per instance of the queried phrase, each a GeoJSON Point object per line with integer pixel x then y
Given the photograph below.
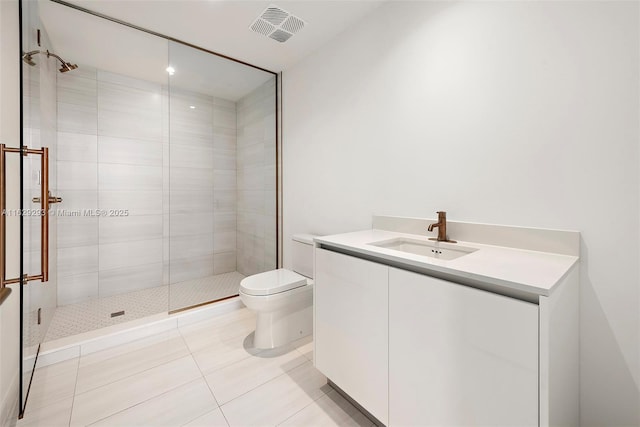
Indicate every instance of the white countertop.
{"type": "Point", "coordinates": [518, 269]}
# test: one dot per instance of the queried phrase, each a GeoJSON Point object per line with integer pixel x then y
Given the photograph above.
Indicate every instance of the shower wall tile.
{"type": "Point", "coordinates": [224, 241]}
{"type": "Point", "coordinates": [77, 260]}
{"type": "Point", "coordinates": [192, 140]}
{"type": "Point", "coordinates": [191, 268]}
{"type": "Point", "coordinates": [77, 118]}
{"type": "Point", "coordinates": [113, 176]}
{"type": "Point", "coordinates": [191, 223]}
{"type": "Point", "coordinates": [251, 201]}
{"type": "Point", "coordinates": [129, 99]}
{"type": "Point", "coordinates": [191, 179]}
{"type": "Point", "coordinates": [76, 201]}
{"type": "Point", "coordinates": [225, 201]}
{"type": "Point", "coordinates": [77, 231]}
{"type": "Point", "coordinates": [132, 82]}
{"type": "Point", "coordinates": [117, 229]}
{"type": "Point", "coordinates": [77, 89]}
{"type": "Point", "coordinates": [252, 223]}
{"type": "Point", "coordinates": [224, 179]}
{"type": "Point", "coordinates": [189, 201]}
{"type": "Point", "coordinates": [77, 175]}
{"type": "Point", "coordinates": [129, 151]}
{"type": "Point", "coordinates": [129, 279]}
{"type": "Point", "coordinates": [224, 139]}
{"type": "Point", "coordinates": [188, 156]}
{"type": "Point", "coordinates": [78, 288]}
{"type": "Point", "coordinates": [136, 202]}
{"type": "Point", "coordinates": [224, 262]}
{"type": "Point", "coordinates": [129, 254]}
{"type": "Point", "coordinates": [77, 147]}
{"type": "Point", "coordinates": [251, 179]}
{"type": "Point", "coordinates": [125, 124]}
{"type": "Point", "coordinates": [197, 245]}
{"type": "Point", "coordinates": [224, 159]}
{"type": "Point", "coordinates": [224, 116]}
{"type": "Point", "coordinates": [224, 222]}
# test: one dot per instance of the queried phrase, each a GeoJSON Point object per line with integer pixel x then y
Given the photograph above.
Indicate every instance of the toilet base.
{"type": "Point", "coordinates": [277, 328]}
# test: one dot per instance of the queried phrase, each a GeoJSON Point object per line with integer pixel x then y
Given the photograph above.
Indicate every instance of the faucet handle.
{"type": "Point", "coordinates": [441, 214]}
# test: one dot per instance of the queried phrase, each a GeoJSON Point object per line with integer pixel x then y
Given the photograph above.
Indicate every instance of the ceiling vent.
{"type": "Point", "coordinates": [277, 24]}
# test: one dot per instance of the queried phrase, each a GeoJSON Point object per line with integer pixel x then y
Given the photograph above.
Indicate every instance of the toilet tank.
{"type": "Point", "coordinates": [302, 254]}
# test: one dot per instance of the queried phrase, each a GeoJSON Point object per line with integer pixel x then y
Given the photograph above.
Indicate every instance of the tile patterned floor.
{"type": "Point", "coordinates": [203, 374]}
{"type": "Point", "coordinates": [95, 314]}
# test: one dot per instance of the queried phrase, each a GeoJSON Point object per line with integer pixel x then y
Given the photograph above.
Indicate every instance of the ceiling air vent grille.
{"type": "Point", "coordinates": [277, 24]}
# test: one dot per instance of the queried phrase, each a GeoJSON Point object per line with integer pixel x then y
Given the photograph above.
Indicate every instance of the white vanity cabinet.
{"type": "Point", "coordinates": [460, 355]}
{"type": "Point", "coordinates": [351, 327]}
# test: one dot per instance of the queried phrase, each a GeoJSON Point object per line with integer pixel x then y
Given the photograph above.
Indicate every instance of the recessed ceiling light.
{"type": "Point", "coordinates": [171, 70]}
{"type": "Point", "coordinates": [193, 107]}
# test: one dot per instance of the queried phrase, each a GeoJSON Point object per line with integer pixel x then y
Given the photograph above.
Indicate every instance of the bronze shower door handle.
{"type": "Point", "coordinates": [44, 201]}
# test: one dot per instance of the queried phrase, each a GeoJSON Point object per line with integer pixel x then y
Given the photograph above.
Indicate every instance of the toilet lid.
{"type": "Point", "coordinates": [272, 282]}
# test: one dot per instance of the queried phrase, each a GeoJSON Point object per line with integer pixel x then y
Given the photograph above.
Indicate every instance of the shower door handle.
{"type": "Point", "coordinates": [52, 199]}
{"type": "Point", "coordinates": [44, 200]}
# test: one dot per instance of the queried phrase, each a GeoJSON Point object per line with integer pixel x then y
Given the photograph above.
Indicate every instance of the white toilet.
{"type": "Point", "coordinates": [282, 299]}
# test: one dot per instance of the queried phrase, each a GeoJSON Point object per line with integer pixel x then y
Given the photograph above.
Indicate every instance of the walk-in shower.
{"type": "Point", "coordinates": [164, 184]}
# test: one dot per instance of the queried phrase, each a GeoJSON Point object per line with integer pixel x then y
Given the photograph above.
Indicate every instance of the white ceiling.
{"type": "Point", "coordinates": [90, 41]}
{"type": "Point", "coordinates": [222, 25]}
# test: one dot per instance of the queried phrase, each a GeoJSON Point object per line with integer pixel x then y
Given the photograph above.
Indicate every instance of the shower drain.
{"type": "Point", "coordinates": [117, 313]}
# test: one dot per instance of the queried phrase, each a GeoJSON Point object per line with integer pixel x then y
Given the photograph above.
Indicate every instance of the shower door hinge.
{"type": "Point", "coordinates": [39, 316]}
{"type": "Point", "coordinates": [38, 36]}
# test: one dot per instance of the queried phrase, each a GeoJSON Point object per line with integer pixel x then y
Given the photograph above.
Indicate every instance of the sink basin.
{"type": "Point", "coordinates": [424, 248]}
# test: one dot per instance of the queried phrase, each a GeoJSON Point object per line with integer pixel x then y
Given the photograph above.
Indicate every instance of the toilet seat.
{"type": "Point", "coordinates": [272, 282]}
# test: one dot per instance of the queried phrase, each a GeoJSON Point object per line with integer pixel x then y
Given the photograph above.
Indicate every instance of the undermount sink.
{"type": "Point", "coordinates": [424, 248]}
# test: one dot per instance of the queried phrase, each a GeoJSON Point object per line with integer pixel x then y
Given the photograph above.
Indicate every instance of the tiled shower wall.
{"type": "Point", "coordinates": [256, 232]}
{"type": "Point", "coordinates": [118, 148]}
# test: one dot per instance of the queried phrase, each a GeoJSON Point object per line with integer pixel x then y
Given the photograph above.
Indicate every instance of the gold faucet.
{"type": "Point", "coordinates": [442, 228]}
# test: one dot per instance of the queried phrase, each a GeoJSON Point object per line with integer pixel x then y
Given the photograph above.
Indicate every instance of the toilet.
{"type": "Point", "coordinates": [282, 299]}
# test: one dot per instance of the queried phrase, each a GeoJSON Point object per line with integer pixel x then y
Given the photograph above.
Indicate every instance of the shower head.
{"type": "Point", "coordinates": [28, 57]}
{"type": "Point", "coordinates": [67, 66]}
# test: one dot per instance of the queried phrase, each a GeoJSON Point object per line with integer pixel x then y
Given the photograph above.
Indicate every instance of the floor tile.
{"type": "Point", "coordinates": [277, 400]}
{"type": "Point", "coordinates": [224, 353]}
{"type": "Point", "coordinates": [305, 346]}
{"type": "Point", "coordinates": [101, 372]}
{"type": "Point", "coordinates": [173, 408]}
{"type": "Point", "coordinates": [107, 400]}
{"type": "Point", "coordinates": [54, 415]}
{"type": "Point", "coordinates": [247, 374]}
{"type": "Point", "coordinates": [330, 410]}
{"type": "Point", "coordinates": [210, 419]}
{"type": "Point", "coordinates": [229, 325]}
{"type": "Point", "coordinates": [53, 383]}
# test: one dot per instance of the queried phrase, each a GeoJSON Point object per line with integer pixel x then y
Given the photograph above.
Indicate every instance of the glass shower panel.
{"type": "Point", "coordinates": [222, 175]}
{"type": "Point", "coordinates": [39, 174]}
{"type": "Point", "coordinates": [111, 128]}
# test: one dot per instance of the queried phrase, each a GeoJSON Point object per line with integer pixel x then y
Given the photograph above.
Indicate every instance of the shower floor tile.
{"type": "Point", "coordinates": [87, 316]}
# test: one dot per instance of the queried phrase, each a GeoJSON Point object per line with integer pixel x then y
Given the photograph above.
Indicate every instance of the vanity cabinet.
{"type": "Point", "coordinates": [351, 328]}
{"type": "Point", "coordinates": [459, 355]}
{"type": "Point", "coordinates": [417, 350]}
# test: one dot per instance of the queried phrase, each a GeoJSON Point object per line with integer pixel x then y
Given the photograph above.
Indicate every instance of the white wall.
{"type": "Point", "coordinates": [10, 135]}
{"type": "Point", "coordinates": [519, 113]}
